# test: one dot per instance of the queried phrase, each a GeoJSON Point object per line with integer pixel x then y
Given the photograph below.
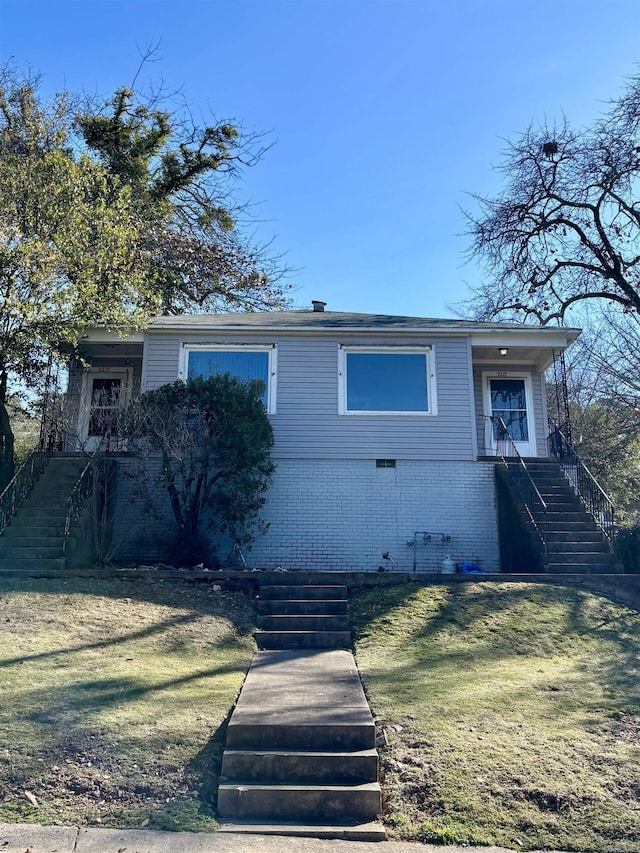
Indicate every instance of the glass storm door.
{"type": "Point", "coordinates": [508, 400]}
{"type": "Point", "coordinates": [105, 393]}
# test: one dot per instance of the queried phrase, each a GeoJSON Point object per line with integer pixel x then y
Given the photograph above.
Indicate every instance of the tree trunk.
{"type": "Point", "coordinates": [6, 436]}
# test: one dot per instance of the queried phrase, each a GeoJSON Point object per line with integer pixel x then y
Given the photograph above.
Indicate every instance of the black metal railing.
{"type": "Point", "coordinates": [77, 500]}
{"type": "Point", "coordinates": [21, 485]}
{"type": "Point", "coordinates": [534, 504]}
{"type": "Point", "coordinates": [594, 498]}
{"type": "Point", "coordinates": [53, 429]}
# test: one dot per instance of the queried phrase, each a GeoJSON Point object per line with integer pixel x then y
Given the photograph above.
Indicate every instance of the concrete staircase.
{"type": "Point", "coordinates": [35, 537]}
{"type": "Point", "coordinates": [575, 542]}
{"type": "Point", "coordinates": [300, 756]}
{"type": "Point", "coordinates": [303, 617]}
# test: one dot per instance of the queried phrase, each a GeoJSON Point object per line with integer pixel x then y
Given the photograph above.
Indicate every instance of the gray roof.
{"type": "Point", "coordinates": [308, 319]}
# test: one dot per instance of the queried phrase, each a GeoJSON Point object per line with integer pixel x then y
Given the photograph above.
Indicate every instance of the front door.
{"type": "Point", "coordinates": [104, 392]}
{"type": "Point", "coordinates": [508, 402]}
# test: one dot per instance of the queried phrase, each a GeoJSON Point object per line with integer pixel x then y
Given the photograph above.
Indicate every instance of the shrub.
{"type": "Point", "coordinates": [214, 438]}
{"type": "Point", "coordinates": [628, 549]}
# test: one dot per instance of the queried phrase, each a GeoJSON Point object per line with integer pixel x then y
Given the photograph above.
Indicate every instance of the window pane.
{"type": "Point", "coordinates": [387, 382]}
{"type": "Point", "coordinates": [508, 394]}
{"type": "Point", "coordinates": [515, 422]}
{"type": "Point", "coordinates": [244, 366]}
{"type": "Point", "coordinates": [509, 402]}
{"type": "Point", "coordinates": [105, 397]}
{"type": "Point", "coordinates": [105, 392]}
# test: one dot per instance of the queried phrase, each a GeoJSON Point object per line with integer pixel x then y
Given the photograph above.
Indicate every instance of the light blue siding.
{"type": "Point", "coordinates": [307, 424]}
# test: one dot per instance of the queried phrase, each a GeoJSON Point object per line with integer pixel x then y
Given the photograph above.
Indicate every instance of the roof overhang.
{"type": "Point", "coordinates": [107, 336]}
{"type": "Point", "coordinates": [538, 346]}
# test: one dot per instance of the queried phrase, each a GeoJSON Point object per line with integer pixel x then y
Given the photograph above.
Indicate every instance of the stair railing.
{"type": "Point", "coordinates": [594, 498]}
{"type": "Point", "coordinates": [534, 504]}
{"type": "Point", "coordinates": [77, 500]}
{"type": "Point", "coordinates": [21, 485]}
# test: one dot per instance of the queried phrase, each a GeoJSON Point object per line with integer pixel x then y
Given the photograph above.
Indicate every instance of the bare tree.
{"type": "Point", "coordinates": [565, 229]}
{"type": "Point", "coordinates": [603, 387]}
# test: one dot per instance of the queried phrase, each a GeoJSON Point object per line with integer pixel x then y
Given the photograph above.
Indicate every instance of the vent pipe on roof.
{"type": "Point", "coordinates": [317, 305]}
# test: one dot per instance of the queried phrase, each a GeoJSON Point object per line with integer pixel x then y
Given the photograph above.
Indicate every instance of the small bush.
{"type": "Point", "coordinates": [628, 549]}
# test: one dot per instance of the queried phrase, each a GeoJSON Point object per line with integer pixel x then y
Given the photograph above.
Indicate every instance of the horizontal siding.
{"type": "Point", "coordinates": [161, 360]}
{"type": "Point", "coordinates": [307, 423]}
{"type": "Point", "coordinates": [539, 403]}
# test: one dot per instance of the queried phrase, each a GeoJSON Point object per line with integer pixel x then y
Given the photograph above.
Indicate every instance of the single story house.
{"type": "Point", "coordinates": [385, 426]}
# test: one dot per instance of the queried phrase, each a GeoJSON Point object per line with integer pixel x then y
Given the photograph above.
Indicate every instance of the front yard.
{"type": "Point", "coordinates": [113, 699]}
{"type": "Point", "coordinates": [511, 711]}
{"type": "Point", "coordinates": [512, 714]}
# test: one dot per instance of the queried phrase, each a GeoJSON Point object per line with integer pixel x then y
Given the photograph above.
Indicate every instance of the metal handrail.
{"type": "Point", "coordinates": [21, 485]}
{"type": "Point", "coordinates": [77, 500]}
{"type": "Point", "coordinates": [594, 498]}
{"type": "Point", "coordinates": [534, 504]}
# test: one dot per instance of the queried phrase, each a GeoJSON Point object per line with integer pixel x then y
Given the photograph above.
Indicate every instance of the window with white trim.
{"type": "Point", "coordinates": [246, 363]}
{"type": "Point", "coordinates": [389, 380]}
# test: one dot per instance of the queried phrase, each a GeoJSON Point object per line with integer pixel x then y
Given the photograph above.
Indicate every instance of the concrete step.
{"type": "Point", "coordinates": [297, 592]}
{"type": "Point", "coordinates": [301, 748]}
{"type": "Point", "coordinates": [303, 639]}
{"type": "Point", "coordinates": [21, 526]}
{"type": "Point", "coordinates": [584, 524]}
{"type": "Point", "coordinates": [570, 557]}
{"type": "Point", "coordinates": [300, 802]}
{"type": "Point", "coordinates": [242, 766]}
{"type": "Point", "coordinates": [560, 568]}
{"type": "Point", "coordinates": [555, 486]}
{"type": "Point", "coordinates": [310, 701]}
{"type": "Point", "coordinates": [577, 514]}
{"type": "Point", "coordinates": [562, 503]}
{"type": "Point", "coordinates": [302, 607]}
{"type": "Point", "coordinates": [40, 501]}
{"type": "Point", "coordinates": [64, 478]}
{"type": "Point", "coordinates": [28, 552]}
{"type": "Point", "coordinates": [18, 539]}
{"type": "Point", "coordinates": [298, 623]}
{"type": "Point", "coordinates": [43, 512]}
{"type": "Point", "coordinates": [580, 548]}
{"type": "Point", "coordinates": [343, 831]}
{"type": "Point", "coordinates": [28, 565]}
{"type": "Point", "coordinates": [578, 537]}
{"type": "Point", "coordinates": [346, 731]}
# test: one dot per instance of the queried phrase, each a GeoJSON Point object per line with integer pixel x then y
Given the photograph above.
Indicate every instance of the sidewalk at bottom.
{"type": "Point", "coordinates": [20, 838]}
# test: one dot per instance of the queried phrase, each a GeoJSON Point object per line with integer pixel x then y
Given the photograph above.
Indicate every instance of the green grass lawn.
{"type": "Point", "coordinates": [512, 713]}
{"type": "Point", "coordinates": [113, 699]}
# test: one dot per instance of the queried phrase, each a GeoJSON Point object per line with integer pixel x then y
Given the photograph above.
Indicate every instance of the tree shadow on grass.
{"type": "Point", "coordinates": [194, 595]}
{"type": "Point", "coordinates": [156, 629]}
{"type": "Point", "coordinates": [507, 622]}
{"type": "Point", "coordinates": [137, 765]}
{"type": "Point", "coordinates": [68, 708]}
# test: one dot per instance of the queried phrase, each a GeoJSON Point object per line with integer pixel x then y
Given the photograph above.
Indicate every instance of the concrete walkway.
{"type": "Point", "coordinates": [18, 838]}
{"type": "Point", "coordinates": [302, 689]}
{"type": "Point", "coordinates": [301, 748]}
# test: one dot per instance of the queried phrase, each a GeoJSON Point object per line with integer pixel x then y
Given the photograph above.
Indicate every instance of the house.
{"type": "Point", "coordinates": [386, 427]}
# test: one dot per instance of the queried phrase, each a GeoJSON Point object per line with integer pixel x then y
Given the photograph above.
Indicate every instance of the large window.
{"type": "Point", "coordinates": [386, 380]}
{"type": "Point", "coordinates": [245, 363]}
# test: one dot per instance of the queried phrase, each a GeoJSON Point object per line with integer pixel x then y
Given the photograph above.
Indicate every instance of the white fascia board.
{"type": "Point", "coordinates": [101, 336]}
{"type": "Point", "coordinates": [546, 337]}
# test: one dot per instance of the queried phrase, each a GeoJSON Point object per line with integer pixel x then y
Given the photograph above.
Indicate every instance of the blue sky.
{"type": "Point", "coordinates": [383, 114]}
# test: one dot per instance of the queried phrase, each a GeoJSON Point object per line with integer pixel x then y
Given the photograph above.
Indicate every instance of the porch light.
{"type": "Point", "coordinates": [504, 351]}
